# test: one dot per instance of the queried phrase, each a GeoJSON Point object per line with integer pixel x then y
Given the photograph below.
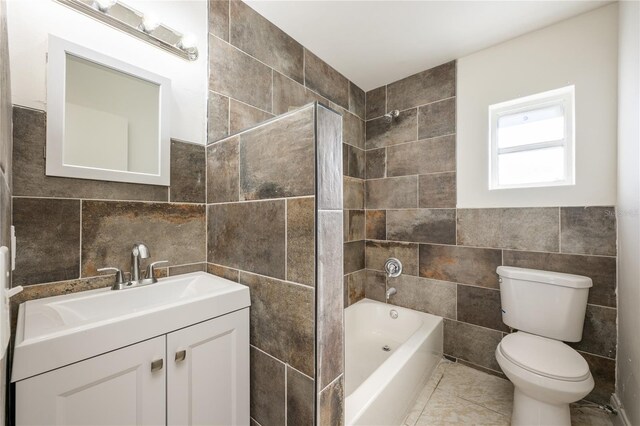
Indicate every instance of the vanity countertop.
{"type": "Point", "coordinates": [61, 330]}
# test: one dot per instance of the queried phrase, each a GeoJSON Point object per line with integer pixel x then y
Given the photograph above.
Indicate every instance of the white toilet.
{"type": "Point", "coordinates": [546, 308]}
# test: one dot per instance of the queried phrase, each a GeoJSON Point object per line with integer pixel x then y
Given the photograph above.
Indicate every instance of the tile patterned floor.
{"type": "Point", "coordinates": [460, 395]}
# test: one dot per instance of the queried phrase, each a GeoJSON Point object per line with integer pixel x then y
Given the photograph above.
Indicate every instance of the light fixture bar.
{"type": "Point", "coordinates": [132, 22]}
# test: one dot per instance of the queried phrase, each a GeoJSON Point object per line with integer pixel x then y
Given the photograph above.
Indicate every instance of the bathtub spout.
{"type": "Point", "coordinates": [390, 292]}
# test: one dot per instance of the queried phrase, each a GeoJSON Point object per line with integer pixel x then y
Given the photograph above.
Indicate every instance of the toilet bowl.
{"type": "Point", "coordinates": [547, 376]}
{"type": "Point", "coordinates": [548, 309]}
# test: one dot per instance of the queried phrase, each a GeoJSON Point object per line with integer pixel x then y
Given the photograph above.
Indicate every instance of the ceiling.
{"type": "Point", "coordinates": [374, 43]}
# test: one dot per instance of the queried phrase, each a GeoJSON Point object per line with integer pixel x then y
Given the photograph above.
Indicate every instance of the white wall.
{"type": "Point", "coordinates": [580, 51]}
{"type": "Point", "coordinates": [31, 21]}
{"type": "Point", "coordinates": [628, 359]}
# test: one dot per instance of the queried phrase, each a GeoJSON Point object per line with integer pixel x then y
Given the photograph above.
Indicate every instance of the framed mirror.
{"type": "Point", "coordinates": [106, 119]}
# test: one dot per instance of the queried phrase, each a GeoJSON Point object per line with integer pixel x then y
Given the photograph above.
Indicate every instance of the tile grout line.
{"type": "Point", "coordinates": [456, 221]}
{"type": "Point", "coordinates": [455, 304]}
{"type": "Point", "coordinates": [423, 140]}
{"type": "Point", "coordinates": [463, 246]}
{"type": "Point", "coordinates": [230, 98]}
{"type": "Point", "coordinates": [331, 383]}
{"type": "Point", "coordinates": [424, 407]}
{"type": "Point", "coordinates": [206, 207]}
{"type": "Point", "coordinates": [489, 289]}
{"type": "Point", "coordinates": [184, 264]}
{"type": "Point", "coordinates": [95, 277]}
{"type": "Point", "coordinates": [409, 108]}
{"type": "Point", "coordinates": [228, 116]}
{"type": "Point", "coordinates": [305, 286]}
{"type": "Point", "coordinates": [286, 396]}
{"type": "Point", "coordinates": [268, 354]}
{"type": "Point", "coordinates": [11, 218]}
{"type": "Point", "coordinates": [263, 200]}
{"type": "Point", "coordinates": [478, 404]}
{"type": "Point", "coordinates": [174, 203]}
{"type": "Point", "coordinates": [349, 95]}
{"type": "Point", "coordinates": [560, 230]}
{"type": "Point", "coordinates": [473, 402]}
{"type": "Point", "coordinates": [385, 99]}
{"type": "Point", "coordinates": [300, 372]}
{"type": "Point", "coordinates": [386, 160]}
{"type": "Point", "coordinates": [261, 124]}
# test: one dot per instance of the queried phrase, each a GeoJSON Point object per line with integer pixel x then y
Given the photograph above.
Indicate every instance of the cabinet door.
{"type": "Point", "coordinates": [208, 372]}
{"type": "Point", "coordinates": [117, 388]}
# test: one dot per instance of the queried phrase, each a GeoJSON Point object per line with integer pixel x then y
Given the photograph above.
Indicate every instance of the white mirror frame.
{"type": "Point", "coordinates": [56, 78]}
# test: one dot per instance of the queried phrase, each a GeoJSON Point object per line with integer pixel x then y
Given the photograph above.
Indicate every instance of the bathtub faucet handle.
{"type": "Point", "coordinates": [393, 267]}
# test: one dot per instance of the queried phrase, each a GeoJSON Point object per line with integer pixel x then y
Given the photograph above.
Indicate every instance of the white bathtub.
{"type": "Point", "coordinates": [381, 386]}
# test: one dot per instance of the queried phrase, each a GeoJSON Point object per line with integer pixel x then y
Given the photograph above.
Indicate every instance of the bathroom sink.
{"type": "Point", "coordinates": [77, 326]}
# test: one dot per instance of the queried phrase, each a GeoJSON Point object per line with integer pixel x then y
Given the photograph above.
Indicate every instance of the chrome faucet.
{"type": "Point", "coordinates": [390, 292]}
{"type": "Point", "coordinates": [139, 251]}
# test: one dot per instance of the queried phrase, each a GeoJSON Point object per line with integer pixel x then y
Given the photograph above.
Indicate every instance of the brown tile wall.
{"type": "Point", "coordinates": [258, 72]}
{"type": "Point", "coordinates": [266, 227]}
{"type": "Point", "coordinates": [450, 255]}
{"type": "Point", "coordinates": [67, 228]}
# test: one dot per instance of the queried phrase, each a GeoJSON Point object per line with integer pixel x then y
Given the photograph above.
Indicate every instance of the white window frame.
{"type": "Point", "coordinates": [564, 96]}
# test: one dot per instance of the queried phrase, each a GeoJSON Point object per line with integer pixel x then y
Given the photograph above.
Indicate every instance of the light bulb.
{"type": "Point", "coordinates": [104, 5]}
{"type": "Point", "coordinates": [188, 41]}
{"type": "Point", "coordinates": [149, 23]}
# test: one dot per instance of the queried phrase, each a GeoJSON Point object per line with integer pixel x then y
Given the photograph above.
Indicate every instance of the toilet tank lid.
{"type": "Point", "coordinates": [547, 277]}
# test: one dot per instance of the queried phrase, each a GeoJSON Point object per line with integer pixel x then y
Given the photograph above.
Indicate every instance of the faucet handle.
{"type": "Point", "coordinates": [119, 275]}
{"type": "Point", "coordinates": [150, 268]}
{"type": "Point", "coordinates": [393, 267]}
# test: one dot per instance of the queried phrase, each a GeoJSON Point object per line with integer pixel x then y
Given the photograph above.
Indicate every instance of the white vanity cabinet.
{"type": "Point", "coordinates": [117, 388]}
{"type": "Point", "coordinates": [208, 372]}
{"type": "Point", "coordinates": [198, 375]}
{"type": "Point", "coordinates": [175, 353]}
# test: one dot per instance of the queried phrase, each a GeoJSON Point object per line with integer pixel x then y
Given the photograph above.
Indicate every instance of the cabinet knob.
{"type": "Point", "coordinates": [157, 365]}
{"type": "Point", "coordinates": [181, 355]}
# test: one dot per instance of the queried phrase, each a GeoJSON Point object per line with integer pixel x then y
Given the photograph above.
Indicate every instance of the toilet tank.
{"type": "Point", "coordinates": [549, 304]}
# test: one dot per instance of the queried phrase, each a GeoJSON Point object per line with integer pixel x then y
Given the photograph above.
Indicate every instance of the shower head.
{"type": "Point", "coordinates": [391, 115]}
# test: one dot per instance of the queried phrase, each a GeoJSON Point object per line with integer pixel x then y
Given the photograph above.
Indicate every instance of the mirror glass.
{"type": "Point", "coordinates": [106, 119]}
{"type": "Point", "coordinates": [111, 119]}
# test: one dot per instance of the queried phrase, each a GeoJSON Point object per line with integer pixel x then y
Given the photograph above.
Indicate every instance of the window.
{"type": "Point", "coordinates": [532, 141]}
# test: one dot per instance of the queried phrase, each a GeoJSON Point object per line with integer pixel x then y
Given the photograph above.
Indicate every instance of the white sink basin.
{"type": "Point", "coordinates": [60, 330]}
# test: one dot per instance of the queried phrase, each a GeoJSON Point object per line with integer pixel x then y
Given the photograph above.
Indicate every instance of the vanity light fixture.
{"type": "Point", "coordinates": [146, 27]}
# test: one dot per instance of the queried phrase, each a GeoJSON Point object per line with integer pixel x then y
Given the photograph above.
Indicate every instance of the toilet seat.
{"type": "Point", "coordinates": [546, 357]}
